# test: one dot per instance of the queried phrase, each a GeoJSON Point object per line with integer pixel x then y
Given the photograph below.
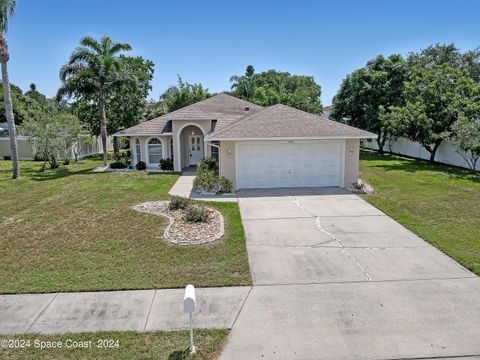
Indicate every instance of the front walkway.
{"type": "Point", "coordinates": [184, 187]}
{"type": "Point", "coordinates": [136, 310]}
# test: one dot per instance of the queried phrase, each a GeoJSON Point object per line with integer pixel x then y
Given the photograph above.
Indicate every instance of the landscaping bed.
{"type": "Point", "coordinates": [183, 232]}
{"type": "Point", "coordinates": [441, 204]}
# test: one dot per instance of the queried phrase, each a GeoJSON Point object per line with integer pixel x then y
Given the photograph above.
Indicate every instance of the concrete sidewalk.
{"type": "Point", "coordinates": [136, 310]}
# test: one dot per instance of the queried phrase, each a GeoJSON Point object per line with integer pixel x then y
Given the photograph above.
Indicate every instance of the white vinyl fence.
{"type": "Point", "coordinates": [446, 152]}
{"type": "Point", "coordinates": [86, 146]}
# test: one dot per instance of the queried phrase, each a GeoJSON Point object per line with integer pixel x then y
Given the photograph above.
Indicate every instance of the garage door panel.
{"type": "Point", "coordinates": [289, 165]}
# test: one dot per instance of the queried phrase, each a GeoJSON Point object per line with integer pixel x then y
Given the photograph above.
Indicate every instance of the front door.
{"type": "Point", "coordinates": [195, 149]}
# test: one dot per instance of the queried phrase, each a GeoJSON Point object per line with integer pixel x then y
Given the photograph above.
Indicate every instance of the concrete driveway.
{"type": "Point", "coordinates": [335, 277]}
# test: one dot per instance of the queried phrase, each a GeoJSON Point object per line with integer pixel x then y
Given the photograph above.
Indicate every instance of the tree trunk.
{"type": "Point", "coordinates": [8, 107]}
{"type": "Point", "coordinates": [103, 132]}
{"type": "Point", "coordinates": [381, 143]}
{"type": "Point", "coordinates": [116, 146]}
{"type": "Point", "coordinates": [433, 151]}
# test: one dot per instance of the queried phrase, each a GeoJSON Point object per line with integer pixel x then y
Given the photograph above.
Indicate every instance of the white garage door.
{"type": "Point", "coordinates": [267, 165]}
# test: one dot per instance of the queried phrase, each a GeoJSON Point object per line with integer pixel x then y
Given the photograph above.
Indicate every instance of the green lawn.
{"type": "Point", "coordinates": [161, 345]}
{"type": "Point", "coordinates": [74, 230]}
{"type": "Point", "coordinates": [439, 203]}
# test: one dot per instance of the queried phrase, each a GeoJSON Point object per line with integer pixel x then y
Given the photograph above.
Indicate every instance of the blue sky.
{"type": "Point", "coordinates": [208, 41]}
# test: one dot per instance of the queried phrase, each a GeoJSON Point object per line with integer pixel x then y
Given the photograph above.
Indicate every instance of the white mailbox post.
{"type": "Point", "coordinates": [189, 302]}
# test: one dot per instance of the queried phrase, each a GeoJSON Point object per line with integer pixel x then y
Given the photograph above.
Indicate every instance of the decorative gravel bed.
{"type": "Point", "coordinates": [180, 232]}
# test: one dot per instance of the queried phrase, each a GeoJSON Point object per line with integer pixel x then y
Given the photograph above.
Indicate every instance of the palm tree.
{"type": "Point", "coordinates": [6, 10]}
{"type": "Point", "coordinates": [244, 85]}
{"type": "Point", "coordinates": [92, 74]}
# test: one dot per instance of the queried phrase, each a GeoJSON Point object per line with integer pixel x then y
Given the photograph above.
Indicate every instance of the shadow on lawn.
{"type": "Point", "coordinates": [34, 173]}
{"type": "Point", "coordinates": [396, 163]}
{"type": "Point", "coordinates": [179, 354]}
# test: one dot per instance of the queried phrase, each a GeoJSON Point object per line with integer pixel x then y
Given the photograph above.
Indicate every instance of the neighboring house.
{"type": "Point", "coordinates": [3, 130]}
{"type": "Point", "coordinates": [326, 111]}
{"type": "Point", "coordinates": [86, 146]}
{"type": "Point", "coordinates": [256, 147]}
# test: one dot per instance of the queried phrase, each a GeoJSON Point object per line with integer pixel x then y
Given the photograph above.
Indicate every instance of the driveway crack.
{"type": "Point", "coordinates": [334, 238]}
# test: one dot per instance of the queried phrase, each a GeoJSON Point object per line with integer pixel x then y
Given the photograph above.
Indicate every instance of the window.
{"type": "Point", "coordinates": [214, 150]}
{"type": "Point", "coordinates": [138, 154]}
{"type": "Point", "coordinates": [154, 151]}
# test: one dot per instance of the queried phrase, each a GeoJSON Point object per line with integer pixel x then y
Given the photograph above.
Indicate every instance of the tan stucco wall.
{"type": "Point", "coordinates": [181, 126]}
{"type": "Point", "coordinates": [227, 160]}
{"type": "Point", "coordinates": [24, 148]}
{"type": "Point", "coordinates": [352, 153]}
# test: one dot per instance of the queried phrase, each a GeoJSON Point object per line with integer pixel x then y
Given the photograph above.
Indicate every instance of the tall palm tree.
{"type": "Point", "coordinates": [92, 73]}
{"type": "Point", "coordinates": [6, 10]}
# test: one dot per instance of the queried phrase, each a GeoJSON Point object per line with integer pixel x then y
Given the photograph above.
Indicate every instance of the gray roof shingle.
{"type": "Point", "coordinates": [281, 121]}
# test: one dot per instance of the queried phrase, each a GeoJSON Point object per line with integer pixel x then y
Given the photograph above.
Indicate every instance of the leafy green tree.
{"type": "Point", "coordinates": [465, 135]}
{"type": "Point", "coordinates": [435, 98]}
{"type": "Point", "coordinates": [183, 94]}
{"type": "Point", "coordinates": [93, 74]}
{"type": "Point", "coordinates": [54, 134]}
{"type": "Point", "coordinates": [273, 87]}
{"type": "Point", "coordinates": [367, 96]}
{"type": "Point", "coordinates": [447, 54]}
{"type": "Point", "coordinates": [6, 10]}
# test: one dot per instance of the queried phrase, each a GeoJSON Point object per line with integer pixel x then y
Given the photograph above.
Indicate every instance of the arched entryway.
{"type": "Point", "coordinates": [191, 145]}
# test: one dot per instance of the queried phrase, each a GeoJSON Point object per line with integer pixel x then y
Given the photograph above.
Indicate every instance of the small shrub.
{"type": "Point", "coordinates": [166, 164]}
{"type": "Point", "coordinates": [66, 162]}
{"type": "Point", "coordinates": [196, 214]}
{"type": "Point", "coordinates": [225, 185]}
{"type": "Point", "coordinates": [207, 164]}
{"type": "Point", "coordinates": [179, 203]}
{"type": "Point", "coordinates": [117, 165]}
{"type": "Point", "coordinates": [205, 181]}
{"type": "Point", "coordinates": [141, 166]}
{"type": "Point", "coordinates": [123, 157]}
{"type": "Point", "coordinates": [39, 156]}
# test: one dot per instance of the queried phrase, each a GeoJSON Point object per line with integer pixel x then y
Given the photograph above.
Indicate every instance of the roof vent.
{"type": "Point", "coordinates": [247, 108]}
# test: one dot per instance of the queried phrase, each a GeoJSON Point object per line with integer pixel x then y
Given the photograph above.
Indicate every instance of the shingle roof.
{"type": "Point", "coordinates": [222, 107]}
{"type": "Point", "coordinates": [234, 121]}
{"type": "Point", "coordinates": [281, 121]}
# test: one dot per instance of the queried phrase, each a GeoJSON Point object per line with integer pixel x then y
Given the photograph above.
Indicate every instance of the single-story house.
{"type": "Point", "coordinates": [255, 146]}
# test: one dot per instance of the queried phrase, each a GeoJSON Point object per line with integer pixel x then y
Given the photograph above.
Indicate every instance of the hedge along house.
{"type": "Point", "coordinates": [255, 146]}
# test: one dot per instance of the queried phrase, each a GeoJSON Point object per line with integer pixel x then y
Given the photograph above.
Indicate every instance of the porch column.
{"type": "Point", "coordinates": [177, 161]}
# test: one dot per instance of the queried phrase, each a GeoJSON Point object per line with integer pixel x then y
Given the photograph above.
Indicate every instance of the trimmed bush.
{"type": "Point", "coordinates": [141, 166]}
{"type": "Point", "coordinates": [196, 214]}
{"type": "Point", "coordinates": [166, 164]}
{"type": "Point", "coordinates": [179, 203]}
{"type": "Point", "coordinates": [205, 181]}
{"type": "Point", "coordinates": [207, 164]}
{"type": "Point", "coordinates": [117, 165]}
{"type": "Point", "coordinates": [225, 185]}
